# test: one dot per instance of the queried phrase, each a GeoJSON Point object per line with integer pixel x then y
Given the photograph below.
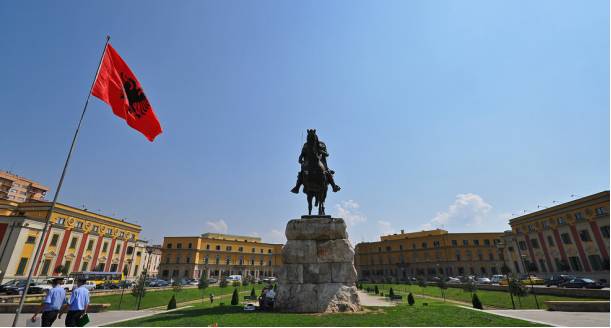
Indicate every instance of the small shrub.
{"type": "Point", "coordinates": [172, 303]}
{"type": "Point", "coordinates": [410, 299]}
{"type": "Point", "coordinates": [235, 298]}
{"type": "Point", "coordinates": [477, 304]}
{"type": "Point", "coordinates": [376, 290]}
{"type": "Point", "coordinates": [391, 293]}
{"type": "Point", "coordinates": [382, 294]}
{"type": "Point", "coordinates": [253, 294]}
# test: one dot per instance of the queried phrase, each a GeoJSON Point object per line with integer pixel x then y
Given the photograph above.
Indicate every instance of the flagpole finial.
{"type": "Point", "coordinates": [107, 37]}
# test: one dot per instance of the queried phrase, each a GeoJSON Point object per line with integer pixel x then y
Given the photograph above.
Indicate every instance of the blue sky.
{"type": "Point", "coordinates": [436, 113]}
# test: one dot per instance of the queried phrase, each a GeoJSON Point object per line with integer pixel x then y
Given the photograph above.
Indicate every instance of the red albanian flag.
{"type": "Point", "coordinates": [117, 86]}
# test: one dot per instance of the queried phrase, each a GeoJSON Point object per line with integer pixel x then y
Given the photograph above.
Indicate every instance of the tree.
{"type": "Point", "coordinates": [376, 290]}
{"type": "Point", "coordinates": [176, 287]}
{"type": "Point", "coordinates": [253, 294]}
{"type": "Point", "coordinates": [138, 290]}
{"type": "Point", "coordinates": [470, 287]}
{"type": "Point", "coordinates": [391, 293]}
{"type": "Point", "coordinates": [442, 287]}
{"type": "Point", "coordinates": [410, 299]}
{"type": "Point", "coordinates": [235, 298]}
{"type": "Point", "coordinates": [172, 303]}
{"type": "Point", "coordinates": [476, 302]}
{"type": "Point", "coordinates": [202, 284]}
{"type": "Point", "coordinates": [223, 282]}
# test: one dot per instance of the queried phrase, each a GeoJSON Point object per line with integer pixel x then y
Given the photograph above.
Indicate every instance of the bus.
{"type": "Point", "coordinates": [99, 278]}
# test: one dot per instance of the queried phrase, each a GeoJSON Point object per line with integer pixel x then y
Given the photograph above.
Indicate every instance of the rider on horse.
{"type": "Point", "coordinates": [322, 162]}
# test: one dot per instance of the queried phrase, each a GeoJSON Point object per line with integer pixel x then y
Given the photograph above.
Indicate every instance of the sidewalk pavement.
{"type": "Point", "coordinates": [557, 318]}
{"type": "Point", "coordinates": [371, 300]}
{"type": "Point", "coordinates": [97, 319]}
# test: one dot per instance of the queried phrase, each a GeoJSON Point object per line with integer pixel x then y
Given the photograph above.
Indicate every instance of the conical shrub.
{"type": "Point", "coordinates": [477, 304]}
{"type": "Point", "coordinates": [410, 299]}
{"type": "Point", "coordinates": [235, 298]}
{"type": "Point", "coordinates": [172, 303]}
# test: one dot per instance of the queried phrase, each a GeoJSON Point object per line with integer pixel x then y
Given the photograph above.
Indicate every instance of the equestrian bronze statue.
{"type": "Point", "coordinates": [315, 175]}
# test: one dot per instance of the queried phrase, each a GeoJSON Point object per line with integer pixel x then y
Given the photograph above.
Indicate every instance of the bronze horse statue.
{"type": "Point", "coordinates": [315, 175]}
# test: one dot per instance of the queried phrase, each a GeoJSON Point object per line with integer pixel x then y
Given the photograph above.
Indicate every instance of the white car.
{"type": "Point", "coordinates": [67, 284]}
{"type": "Point", "coordinates": [452, 280]}
{"type": "Point", "coordinates": [483, 281]}
{"type": "Point", "coordinates": [496, 278]}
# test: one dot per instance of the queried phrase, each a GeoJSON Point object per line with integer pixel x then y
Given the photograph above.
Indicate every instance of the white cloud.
{"type": "Point", "coordinates": [275, 236]}
{"type": "Point", "coordinates": [467, 210]}
{"type": "Point", "coordinates": [385, 228]}
{"type": "Point", "coordinates": [218, 226]}
{"type": "Point", "coordinates": [349, 211]}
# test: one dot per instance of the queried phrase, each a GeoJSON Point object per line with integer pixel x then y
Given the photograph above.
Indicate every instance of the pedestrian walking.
{"type": "Point", "coordinates": [77, 306]}
{"type": "Point", "coordinates": [51, 304]}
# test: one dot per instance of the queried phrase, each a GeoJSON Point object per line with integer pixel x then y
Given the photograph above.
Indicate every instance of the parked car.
{"type": "Point", "coordinates": [19, 288]}
{"type": "Point", "coordinates": [158, 283]}
{"type": "Point", "coordinates": [270, 280]}
{"type": "Point", "coordinates": [531, 280]}
{"type": "Point", "coordinates": [495, 279]}
{"type": "Point", "coordinates": [89, 285]}
{"type": "Point", "coordinates": [67, 283]}
{"type": "Point", "coordinates": [483, 281]}
{"type": "Point", "coordinates": [212, 280]}
{"type": "Point", "coordinates": [583, 283]}
{"type": "Point", "coordinates": [107, 285]}
{"type": "Point", "coordinates": [7, 284]}
{"type": "Point", "coordinates": [452, 280]}
{"type": "Point", "coordinates": [558, 280]}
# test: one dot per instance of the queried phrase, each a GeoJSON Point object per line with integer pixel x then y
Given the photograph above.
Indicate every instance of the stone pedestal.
{"type": "Point", "coordinates": [318, 272]}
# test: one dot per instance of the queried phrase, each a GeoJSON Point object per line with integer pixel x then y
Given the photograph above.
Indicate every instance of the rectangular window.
{"type": "Point", "coordinates": [465, 243]}
{"type": "Point", "coordinates": [54, 239]}
{"type": "Point", "coordinates": [73, 242]}
{"type": "Point", "coordinates": [21, 266]}
{"type": "Point", "coordinates": [67, 266]}
{"type": "Point", "coordinates": [228, 248]}
{"type": "Point", "coordinates": [114, 267]}
{"type": "Point", "coordinates": [240, 249]}
{"type": "Point", "coordinates": [575, 264]}
{"type": "Point", "coordinates": [522, 245]}
{"type": "Point", "coordinates": [475, 242]}
{"type": "Point", "coordinates": [104, 247]}
{"type": "Point", "coordinates": [79, 225]}
{"type": "Point", "coordinates": [218, 247]}
{"type": "Point", "coordinates": [424, 245]}
{"type": "Point", "coordinates": [550, 240]}
{"type": "Point", "coordinates": [179, 245]}
{"type": "Point", "coordinates": [31, 240]}
{"type": "Point", "coordinates": [169, 245]}
{"type": "Point", "coordinates": [600, 211]}
{"type": "Point", "coordinates": [486, 242]}
{"type": "Point", "coordinates": [534, 243]}
{"type": "Point", "coordinates": [584, 235]}
{"type": "Point", "coordinates": [208, 247]}
{"type": "Point", "coordinates": [85, 265]}
{"type": "Point", "coordinates": [253, 249]}
{"type": "Point", "coordinates": [566, 238]}
{"type": "Point", "coordinates": [578, 216]}
{"type": "Point", "coordinates": [454, 243]}
{"type": "Point", "coordinates": [187, 260]}
{"type": "Point", "coordinates": [190, 245]}
{"type": "Point", "coordinates": [96, 228]}
{"type": "Point", "coordinates": [129, 250]}
{"type": "Point", "coordinates": [596, 262]}
{"type": "Point", "coordinates": [45, 267]}
{"type": "Point", "coordinates": [604, 230]}
{"type": "Point", "coordinates": [90, 245]}
{"type": "Point", "coordinates": [117, 250]}
{"type": "Point", "coordinates": [561, 221]}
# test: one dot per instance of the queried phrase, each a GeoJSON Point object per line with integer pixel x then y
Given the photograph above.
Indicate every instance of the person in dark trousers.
{"type": "Point", "coordinates": [77, 306]}
{"type": "Point", "coordinates": [211, 298]}
{"type": "Point", "coordinates": [52, 303]}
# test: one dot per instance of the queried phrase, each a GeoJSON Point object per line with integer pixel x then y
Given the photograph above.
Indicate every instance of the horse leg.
{"type": "Point", "coordinates": [310, 204]}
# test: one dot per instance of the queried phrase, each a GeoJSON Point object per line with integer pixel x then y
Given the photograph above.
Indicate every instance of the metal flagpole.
{"type": "Point", "coordinates": [59, 187]}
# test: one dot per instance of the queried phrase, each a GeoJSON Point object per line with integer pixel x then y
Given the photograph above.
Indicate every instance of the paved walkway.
{"type": "Point", "coordinates": [557, 318]}
{"type": "Point", "coordinates": [372, 300]}
{"type": "Point", "coordinates": [97, 319]}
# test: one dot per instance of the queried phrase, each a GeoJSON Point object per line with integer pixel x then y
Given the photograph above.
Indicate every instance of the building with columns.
{"type": "Point", "coordinates": [428, 253]}
{"type": "Point", "coordinates": [78, 240]}
{"type": "Point", "coordinates": [571, 238]}
{"type": "Point", "coordinates": [214, 255]}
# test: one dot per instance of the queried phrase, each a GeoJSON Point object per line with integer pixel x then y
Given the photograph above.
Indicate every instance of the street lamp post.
{"type": "Point", "coordinates": [501, 247]}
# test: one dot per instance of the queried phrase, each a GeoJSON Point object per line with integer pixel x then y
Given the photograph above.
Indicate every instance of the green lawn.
{"type": "Point", "coordinates": [435, 314]}
{"type": "Point", "coordinates": [497, 299]}
{"type": "Point", "coordinates": [161, 298]}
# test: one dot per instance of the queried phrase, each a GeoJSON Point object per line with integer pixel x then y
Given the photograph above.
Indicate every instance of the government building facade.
{"type": "Point", "coordinates": [570, 238]}
{"type": "Point", "coordinates": [78, 240]}
{"type": "Point", "coordinates": [214, 255]}
{"type": "Point", "coordinates": [426, 254]}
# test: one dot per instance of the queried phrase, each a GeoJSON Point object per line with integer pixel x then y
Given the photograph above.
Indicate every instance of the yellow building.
{"type": "Point", "coordinates": [77, 240]}
{"type": "Point", "coordinates": [428, 253]}
{"type": "Point", "coordinates": [213, 255]}
{"type": "Point", "coordinates": [572, 238]}
{"type": "Point", "coordinates": [19, 189]}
